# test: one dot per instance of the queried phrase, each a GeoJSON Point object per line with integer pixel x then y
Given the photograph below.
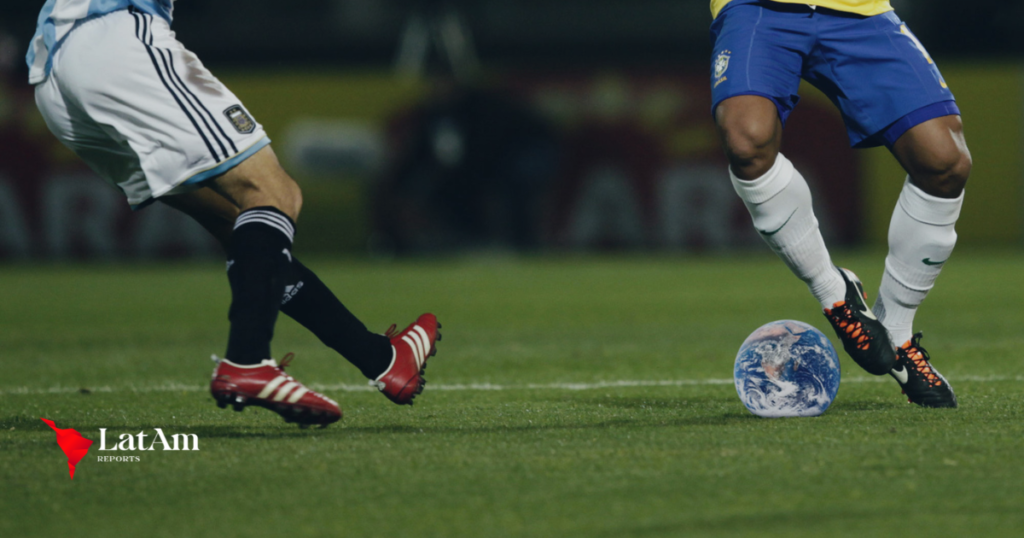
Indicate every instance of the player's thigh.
{"type": "Point", "coordinates": [758, 50]}
{"type": "Point", "coordinates": [260, 181]}
{"type": "Point", "coordinates": [878, 73]}
{"type": "Point", "coordinates": [214, 212]}
{"type": "Point", "coordinates": [755, 76]}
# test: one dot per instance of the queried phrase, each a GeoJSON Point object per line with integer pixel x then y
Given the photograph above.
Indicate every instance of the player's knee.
{"type": "Point", "coordinates": [278, 190]}
{"type": "Point", "coordinates": [960, 171]}
{"type": "Point", "coordinates": [294, 200]}
{"type": "Point", "coordinates": [283, 193]}
{"type": "Point", "coordinates": [750, 145]}
{"type": "Point", "coordinates": [946, 173]}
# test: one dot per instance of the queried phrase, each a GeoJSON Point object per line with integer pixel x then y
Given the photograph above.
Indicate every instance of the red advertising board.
{"type": "Point", "coordinates": [642, 166]}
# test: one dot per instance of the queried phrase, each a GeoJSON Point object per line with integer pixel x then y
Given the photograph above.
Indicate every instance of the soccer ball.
{"type": "Point", "coordinates": [787, 369]}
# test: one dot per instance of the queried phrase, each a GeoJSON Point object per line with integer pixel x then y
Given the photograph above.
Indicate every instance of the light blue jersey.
{"type": "Point", "coordinates": [58, 17]}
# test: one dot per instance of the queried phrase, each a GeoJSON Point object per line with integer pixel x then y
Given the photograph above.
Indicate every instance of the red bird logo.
{"type": "Point", "coordinates": [72, 443]}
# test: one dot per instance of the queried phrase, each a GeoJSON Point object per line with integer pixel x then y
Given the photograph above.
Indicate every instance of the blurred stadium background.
{"type": "Point", "coordinates": [433, 127]}
{"type": "Point", "coordinates": [573, 395]}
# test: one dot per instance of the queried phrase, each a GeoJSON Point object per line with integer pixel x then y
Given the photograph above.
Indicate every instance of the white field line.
{"type": "Point", "coordinates": [481, 387]}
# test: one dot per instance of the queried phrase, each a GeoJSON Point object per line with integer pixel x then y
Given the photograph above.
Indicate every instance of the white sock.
{"type": "Point", "coordinates": [780, 206]}
{"type": "Point", "coordinates": [921, 239]}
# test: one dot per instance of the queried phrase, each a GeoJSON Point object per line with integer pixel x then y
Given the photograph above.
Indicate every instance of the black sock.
{"type": "Point", "coordinates": [309, 301]}
{"type": "Point", "coordinates": [259, 255]}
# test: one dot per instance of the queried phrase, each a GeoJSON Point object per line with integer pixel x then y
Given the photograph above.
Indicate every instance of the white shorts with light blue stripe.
{"type": "Point", "coordinates": [142, 110]}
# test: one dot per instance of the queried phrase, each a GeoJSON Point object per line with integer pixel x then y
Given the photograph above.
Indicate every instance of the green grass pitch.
{"type": "Point", "coordinates": [570, 397]}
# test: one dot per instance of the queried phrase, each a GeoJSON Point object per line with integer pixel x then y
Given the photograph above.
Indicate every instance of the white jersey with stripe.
{"type": "Point", "coordinates": [59, 17]}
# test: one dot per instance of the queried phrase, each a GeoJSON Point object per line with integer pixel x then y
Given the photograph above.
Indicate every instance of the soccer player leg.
{"type": "Point", "coordinates": [921, 232]}
{"type": "Point", "coordinates": [262, 281]}
{"type": "Point", "coordinates": [776, 194]}
{"type": "Point", "coordinates": [306, 299]}
{"type": "Point", "coordinates": [259, 260]}
{"type": "Point", "coordinates": [394, 362]}
{"type": "Point", "coordinates": [755, 77]}
{"type": "Point", "coordinates": [310, 302]}
{"type": "Point", "coordinates": [891, 93]}
{"type": "Point", "coordinates": [756, 64]}
{"type": "Point", "coordinates": [259, 251]}
{"type": "Point", "coordinates": [921, 240]}
{"type": "Point", "coordinates": [212, 211]}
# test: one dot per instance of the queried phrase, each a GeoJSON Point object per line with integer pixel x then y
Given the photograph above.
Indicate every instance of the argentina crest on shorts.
{"type": "Point", "coordinates": [240, 119]}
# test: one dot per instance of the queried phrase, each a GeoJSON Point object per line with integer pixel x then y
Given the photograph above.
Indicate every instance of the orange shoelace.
{"type": "Point", "coordinates": [920, 359]}
{"type": "Point", "coordinates": [853, 328]}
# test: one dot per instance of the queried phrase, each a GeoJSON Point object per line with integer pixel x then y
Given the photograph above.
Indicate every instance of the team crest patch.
{"type": "Point", "coordinates": [722, 63]}
{"type": "Point", "coordinates": [240, 119]}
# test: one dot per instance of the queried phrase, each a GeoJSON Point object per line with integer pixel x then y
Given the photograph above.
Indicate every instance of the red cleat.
{"type": "Point", "coordinates": [268, 386]}
{"type": "Point", "coordinates": [403, 380]}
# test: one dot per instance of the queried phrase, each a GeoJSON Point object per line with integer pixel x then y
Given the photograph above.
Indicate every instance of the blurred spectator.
{"type": "Point", "coordinates": [23, 151]}
{"type": "Point", "coordinates": [471, 168]}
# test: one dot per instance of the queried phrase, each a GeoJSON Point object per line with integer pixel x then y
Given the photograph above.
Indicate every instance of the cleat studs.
{"type": "Point", "coordinates": [222, 405]}
{"type": "Point", "coordinates": [438, 337]}
{"type": "Point", "coordinates": [238, 407]}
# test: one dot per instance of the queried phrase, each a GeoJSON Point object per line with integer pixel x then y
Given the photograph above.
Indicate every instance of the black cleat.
{"type": "Point", "coordinates": [921, 382]}
{"type": "Point", "coordinates": [863, 336]}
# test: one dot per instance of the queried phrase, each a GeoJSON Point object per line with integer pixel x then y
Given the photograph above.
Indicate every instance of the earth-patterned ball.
{"type": "Point", "coordinates": [787, 369]}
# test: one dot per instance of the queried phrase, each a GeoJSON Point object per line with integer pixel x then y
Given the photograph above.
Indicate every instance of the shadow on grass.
{"type": "Point", "coordinates": [866, 405]}
{"type": "Point", "coordinates": [726, 419]}
{"type": "Point", "coordinates": [642, 403]}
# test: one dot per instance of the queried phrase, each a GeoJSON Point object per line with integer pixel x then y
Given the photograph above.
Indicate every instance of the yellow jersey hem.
{"type": "Point", "coordinates": [868, 8]}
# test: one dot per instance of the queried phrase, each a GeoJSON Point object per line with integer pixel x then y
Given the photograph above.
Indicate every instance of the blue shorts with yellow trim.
{"type": "Point", "coordinates": [873, 68]}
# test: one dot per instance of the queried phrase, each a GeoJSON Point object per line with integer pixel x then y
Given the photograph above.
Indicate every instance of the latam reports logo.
{"type": "Point", "coordinates": [72, 443]}
{"type": "Point", "coordinates": [76, 447]}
